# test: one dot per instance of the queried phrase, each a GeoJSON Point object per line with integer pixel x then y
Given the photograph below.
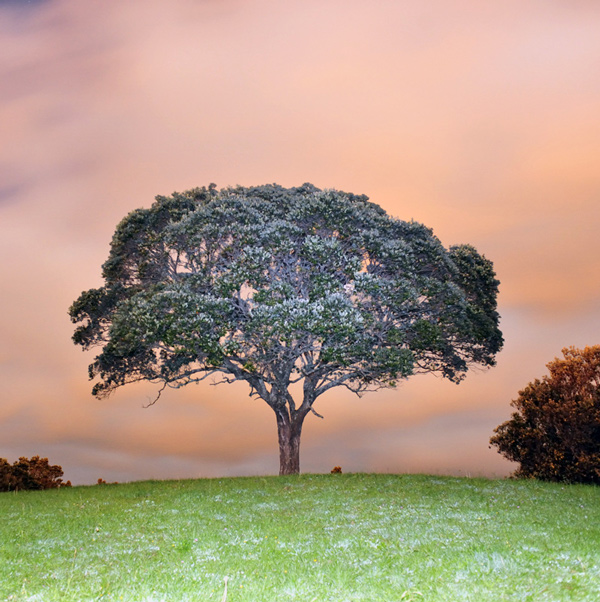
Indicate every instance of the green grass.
{"type": "Point", "coordinates": [310, 538]}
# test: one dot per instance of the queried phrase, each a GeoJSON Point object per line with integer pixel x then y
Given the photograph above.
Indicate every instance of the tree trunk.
{"type": "Point", "coordinates": [289, 430]}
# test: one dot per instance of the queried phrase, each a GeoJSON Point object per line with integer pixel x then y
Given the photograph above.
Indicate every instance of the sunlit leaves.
{"type": "Point", "coordinates": [555, 433]}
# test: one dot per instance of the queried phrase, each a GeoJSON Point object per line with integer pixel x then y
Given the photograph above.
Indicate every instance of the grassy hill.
{"type": "Point", "coordinates": [311, 538]}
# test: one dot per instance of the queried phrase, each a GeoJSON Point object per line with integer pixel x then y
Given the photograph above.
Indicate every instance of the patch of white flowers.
{"type": "Point", "coordinates": [333, 311]}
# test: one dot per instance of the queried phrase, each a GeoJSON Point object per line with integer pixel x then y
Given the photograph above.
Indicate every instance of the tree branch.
{"type": "Point", "coordinates": [160, 391]}
{"type": "Point", "coordinates": [316, 413]}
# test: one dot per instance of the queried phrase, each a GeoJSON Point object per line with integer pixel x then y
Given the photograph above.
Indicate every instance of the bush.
{"type": "Point", "coordinates": [555, 433]}
{"type": "Point", "coordinates": [35, 473]}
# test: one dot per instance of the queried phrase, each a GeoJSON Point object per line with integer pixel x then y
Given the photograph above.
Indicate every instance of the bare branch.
{"type": "Point", "coordinates": [160, 391]}
{"type": "Point", "coordinates": [316, 413]}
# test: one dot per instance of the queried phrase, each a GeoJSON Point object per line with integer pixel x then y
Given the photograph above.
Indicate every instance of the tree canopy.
{"type": "Point", "coordinates": [294, 291]}
{"type": "Point", "coordinates": [555, 432]}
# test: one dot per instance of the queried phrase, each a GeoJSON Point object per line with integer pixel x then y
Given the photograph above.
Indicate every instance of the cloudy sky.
{"type": "Point", "coordinates": [479, 119]}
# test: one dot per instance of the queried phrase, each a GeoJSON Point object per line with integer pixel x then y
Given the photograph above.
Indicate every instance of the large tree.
{"type": "Point", "coordinates": [294, 291]}
{"type": "Point", "coordinates": [555, 433]}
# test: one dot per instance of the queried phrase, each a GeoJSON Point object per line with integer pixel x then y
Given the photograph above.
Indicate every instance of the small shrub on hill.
{"type": "Point", "coordinates": [34, 473]}
{"type": "Point", "coordinates": [555, 432]}
{"type": "Point", "coordinates": [101, 481]}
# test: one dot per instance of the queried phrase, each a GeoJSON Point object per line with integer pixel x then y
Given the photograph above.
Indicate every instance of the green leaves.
{"type": "Point", "coordinates": [266, 283]}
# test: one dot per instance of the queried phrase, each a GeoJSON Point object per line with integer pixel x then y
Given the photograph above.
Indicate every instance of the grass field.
{"type": "Point", "coordinates": [310, 538]}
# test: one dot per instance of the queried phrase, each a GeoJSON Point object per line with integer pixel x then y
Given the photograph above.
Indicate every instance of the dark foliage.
{"type": "Point", "coordinates": [34, 473]}
{"type": "Point", "coordinates": [555, 433]}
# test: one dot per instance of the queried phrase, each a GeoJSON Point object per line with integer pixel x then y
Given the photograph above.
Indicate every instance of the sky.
{"type": "Point", "coordinates": [479, 119]}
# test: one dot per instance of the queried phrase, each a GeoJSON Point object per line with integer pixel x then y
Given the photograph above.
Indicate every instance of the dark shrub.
{"type": "Point", "coordinates": [555, 432]}
{"type": "Point", "coordinates": [36, 473]}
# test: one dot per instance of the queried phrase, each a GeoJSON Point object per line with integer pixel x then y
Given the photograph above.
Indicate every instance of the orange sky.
{"type": "Point", "coordinates": [479, 119]}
